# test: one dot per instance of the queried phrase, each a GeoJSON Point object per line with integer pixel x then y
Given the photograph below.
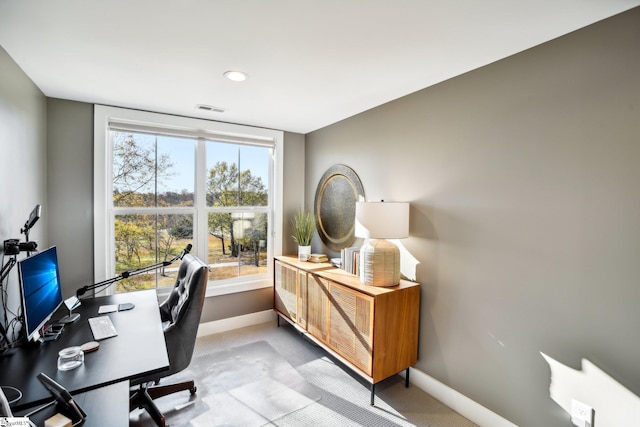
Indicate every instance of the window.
{"type": "Point", "coordinates": [163, 182]}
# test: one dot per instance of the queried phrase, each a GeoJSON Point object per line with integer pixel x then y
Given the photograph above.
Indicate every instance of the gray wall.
{"type": "Point", "coordinates": [294, 187]}
{"type": "Point", "coordinates": [525, 213]}
{"type": "Point", "coordinates": [237, 304]}
{"type": "Point", "coordinates": [23, 168]}
{"type": "Point", "coordinates": [70, 190]}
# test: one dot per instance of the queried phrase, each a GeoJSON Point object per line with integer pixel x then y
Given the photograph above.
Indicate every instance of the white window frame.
{"type": "Point", "coordinates": [104, 240]}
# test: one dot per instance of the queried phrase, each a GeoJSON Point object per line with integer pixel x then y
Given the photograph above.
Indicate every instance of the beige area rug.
{"type": "Point", "coordinates": [249, 386]}
{"type": "Point", "coordinates": [348, 399]}
{"type": "Point", "coordinates": [255, 404]}
{"type": "Point", "coordinates": [253, 384]}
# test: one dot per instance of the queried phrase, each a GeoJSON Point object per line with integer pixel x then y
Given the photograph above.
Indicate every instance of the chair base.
{"type": "Point", "coordinates": [143, 398]}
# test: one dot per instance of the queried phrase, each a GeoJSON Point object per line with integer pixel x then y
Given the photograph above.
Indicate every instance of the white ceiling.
{"type": "Point", "coordinates": [311, 62]}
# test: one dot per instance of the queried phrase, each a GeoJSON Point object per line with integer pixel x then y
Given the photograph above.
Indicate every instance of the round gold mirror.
{"type": "Point", "coordinates": [335, 206]}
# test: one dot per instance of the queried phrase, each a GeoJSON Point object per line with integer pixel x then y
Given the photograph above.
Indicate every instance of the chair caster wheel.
{"type": "Point", "coordinates": [193, 390]}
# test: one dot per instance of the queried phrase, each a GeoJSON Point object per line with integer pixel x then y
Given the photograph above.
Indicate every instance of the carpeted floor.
{"type": "Point", "coordinates": [266, 375]}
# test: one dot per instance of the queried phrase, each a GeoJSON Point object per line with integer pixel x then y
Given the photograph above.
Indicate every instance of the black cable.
{"type": "Point", "coordinates": [39, 408]}
{"type": "Point", "coordinates": [16, 391]}
{"type": "Point", "coordinates": [16, 326]}
{"type": "Point", "coordinates": [6, 268]}
{"type": "Point", "coordinates": [12, 327]}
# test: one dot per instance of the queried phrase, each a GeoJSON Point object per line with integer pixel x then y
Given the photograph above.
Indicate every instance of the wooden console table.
{"type": "Point", "coordinates": [372, 330]}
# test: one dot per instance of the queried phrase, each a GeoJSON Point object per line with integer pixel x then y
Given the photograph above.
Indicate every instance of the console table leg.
{"type": "Point", "coordinates": [406, 378]}
{"type": "Point", "coordinates": [373, 392]}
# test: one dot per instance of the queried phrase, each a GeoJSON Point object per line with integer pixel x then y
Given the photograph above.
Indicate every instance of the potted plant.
{"type": "Point", "coordinates": [304, 224]}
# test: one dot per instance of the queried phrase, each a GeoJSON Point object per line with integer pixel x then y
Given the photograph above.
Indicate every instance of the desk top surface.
{"type": "Point", "coordinates": [139, 349]}
{"type": "Point", "coordinates": [106, 406]}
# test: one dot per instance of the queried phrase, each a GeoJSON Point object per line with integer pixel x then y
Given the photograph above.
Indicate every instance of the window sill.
{"type": "Point", "coordinates": [233, 288]}
{"type": "Point", "coordinates": [225, 289]}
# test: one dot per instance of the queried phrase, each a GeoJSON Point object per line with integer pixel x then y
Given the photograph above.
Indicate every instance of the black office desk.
{"type": "Point", "coordinates": [138, 350]}
{"type": "Point", "coordinates": [106, 406]}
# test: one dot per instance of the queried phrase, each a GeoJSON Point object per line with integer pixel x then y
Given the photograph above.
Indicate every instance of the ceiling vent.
{"type": "Point", "coordinates": [210, 108]}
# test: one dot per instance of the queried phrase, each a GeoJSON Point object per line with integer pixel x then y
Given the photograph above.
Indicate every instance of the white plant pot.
{"type": "Point", "coordinates": [304, 253]}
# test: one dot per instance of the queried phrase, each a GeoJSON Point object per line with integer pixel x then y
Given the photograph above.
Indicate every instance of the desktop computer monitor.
{"type": "Point", "coordinates": [40, 289]}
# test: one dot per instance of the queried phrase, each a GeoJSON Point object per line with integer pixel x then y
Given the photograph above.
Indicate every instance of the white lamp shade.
{"type": "Point", "coordinates": [382, 220]}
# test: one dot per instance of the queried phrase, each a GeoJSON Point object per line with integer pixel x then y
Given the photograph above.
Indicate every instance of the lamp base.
{"type": "Point", "coordinates": [380, 263]}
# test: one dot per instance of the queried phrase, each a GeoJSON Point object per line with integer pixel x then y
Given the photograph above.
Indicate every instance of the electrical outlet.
{"type": "Point", "coordinates": [581, 414]}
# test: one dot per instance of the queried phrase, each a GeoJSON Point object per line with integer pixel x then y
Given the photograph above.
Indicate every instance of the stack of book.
{"type": "Point", "coordinates": [318, 258]}
{"type": "Point", "coordinates": [350, 259]}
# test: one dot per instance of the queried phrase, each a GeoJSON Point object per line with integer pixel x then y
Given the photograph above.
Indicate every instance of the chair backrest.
{"type": "Point", "coordinates": [181, 312]}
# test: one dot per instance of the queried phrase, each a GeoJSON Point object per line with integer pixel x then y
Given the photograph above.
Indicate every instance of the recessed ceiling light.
{"type": "Point", "coordinates": [236, 76]}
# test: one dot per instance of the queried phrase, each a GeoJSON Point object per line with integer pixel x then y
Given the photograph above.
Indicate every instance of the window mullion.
{"type": "Point", "coordinates": [200, 226]}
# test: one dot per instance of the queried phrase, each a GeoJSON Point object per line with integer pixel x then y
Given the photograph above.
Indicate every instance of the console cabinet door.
{"type": "Point", "coordinates": [317, 307]}
{"type": "Point", "coordinates": [351, 325]}
{"type": "Point", "coordinates": [303, 277]}
{"type": "Point", "coordinates": [285, 290]}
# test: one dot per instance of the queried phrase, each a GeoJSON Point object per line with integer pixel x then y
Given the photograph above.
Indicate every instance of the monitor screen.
{"type": "Point", "coordinates": [40, 286]}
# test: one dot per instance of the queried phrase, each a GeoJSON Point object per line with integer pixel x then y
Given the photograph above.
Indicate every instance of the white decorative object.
{"type": "Point", "coordinates": [380, 259]}
{"type": "Point", "coordinates": [304, 253]}
{"type": "Point", "coordinates": [304, 225]}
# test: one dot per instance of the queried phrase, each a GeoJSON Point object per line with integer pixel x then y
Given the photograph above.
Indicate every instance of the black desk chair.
{"type": "Point", "coordinates": [180, 314]}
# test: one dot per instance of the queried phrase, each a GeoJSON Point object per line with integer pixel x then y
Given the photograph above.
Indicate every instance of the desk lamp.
{"type": "Point", "coordinates": [379, 258]}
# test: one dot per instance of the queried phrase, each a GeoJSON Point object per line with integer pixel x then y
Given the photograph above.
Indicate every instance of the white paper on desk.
{"type": "Point", "coordinates": [108, 308]}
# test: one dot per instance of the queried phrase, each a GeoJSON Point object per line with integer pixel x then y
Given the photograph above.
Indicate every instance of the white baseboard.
{"type": "Point", "coordinates": [237, 322]}
{"type": "Point", "coordinates": [457, 401]}
{"type": "Point", "coordinates": [445, 394]}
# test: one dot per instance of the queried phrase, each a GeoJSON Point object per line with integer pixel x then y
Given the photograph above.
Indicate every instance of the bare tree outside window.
{"type": "Point", "coordinates": [137, 168]}
{"type": "Point", "coordinates": [154, 202]}
{"type": "Point", "coordinates": [140, 172]}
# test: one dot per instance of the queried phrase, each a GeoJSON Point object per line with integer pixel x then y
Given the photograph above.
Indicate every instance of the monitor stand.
{"type": "Point", "coordinates": [71, 303]}
{"type": "Point", "coordinates": [70, 318]}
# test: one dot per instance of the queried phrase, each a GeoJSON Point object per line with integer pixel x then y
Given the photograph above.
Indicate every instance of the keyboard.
{"type": "Point", "coordinates": [101, 327]}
